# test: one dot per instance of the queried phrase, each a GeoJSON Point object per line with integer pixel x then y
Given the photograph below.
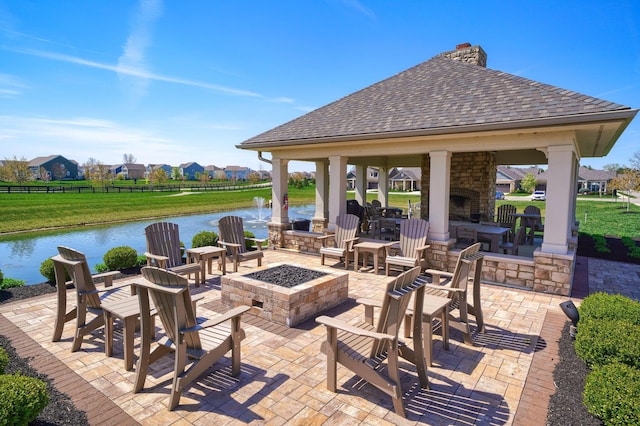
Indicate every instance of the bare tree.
{"type": "Point", "coordinates": [96, 172]}
{"type": "Point", "coordinates": [43, 174]}
{"type": "Point", "coordinates": [128, 159]}
{"type": "Point", "coordinates": [15, 170]}
{"type": "Point", "coordinates": [220, 175]}
{"type": "Point", "coordinates": [58, 170]}
{"type": "Point", "coordinates": [635, 161]}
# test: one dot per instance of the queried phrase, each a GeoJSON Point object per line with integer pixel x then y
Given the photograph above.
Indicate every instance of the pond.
{"type": "Point", "coordinates": [21, 256]}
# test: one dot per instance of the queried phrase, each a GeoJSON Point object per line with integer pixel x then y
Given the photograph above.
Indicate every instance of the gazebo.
{"type": "Point", "coordinates": [456, 120]}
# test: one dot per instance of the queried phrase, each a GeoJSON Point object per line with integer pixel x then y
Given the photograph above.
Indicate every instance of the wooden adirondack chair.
{"type": "Point", "coordinates": [363, 347]}
{"type": "Point", "coordinates": [204, 343]}
{"type": "Point", "coordinates": [512, 247]}
{"type": "Point", "coordinates": [340, 244]}
{"type": "Point", "coordinates": [466, 236]}
{"type": "Point", "coordinates": [232, 238]}
{"type": "Point", "coordinates": [409, 251]}
{"type": "Point", "coordinates": [163, 250]}
{"type": "Point", "coordinates": [505, 219]}
{"type": "Point", "coordinates": [455, 284]}
{"type": "Point", "coordinates": [534, 224]}
{"type": "Point", "coordinates": [72, 263]}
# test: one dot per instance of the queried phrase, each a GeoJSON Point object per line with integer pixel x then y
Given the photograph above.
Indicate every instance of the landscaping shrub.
{"type": "Point", "coordinates": [1, 277]}
{"type": "Point", "coordinates": [604, 341]}
{"type": "Point", "coordinates": [600, 243]}
{"type": "Point", "coordinates": [611, 394]}
{"type": "Point", "coordinates": [634, 250]}
{"type": "Point", "coordinates": [609, 306]}
{"type": "Point", "coordinates": [249, 243]}
{"type": "Point", "coordinates": [11, 282]}
{"type": "Point", "coordinates": [4, 360]}
{"type": "Point", "coordinates": [47, 270]}
{"type": "Point", "coordinates": [122, 257]}
{"type": "Point", "coordinates": [204, 238]}
{"type": "Point", "coordinates": [22, 398]}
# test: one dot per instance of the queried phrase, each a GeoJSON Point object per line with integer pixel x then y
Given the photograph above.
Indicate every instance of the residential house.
{"type": "Point", "coordinates": [457, 120]}
{"type": "Point", "coordinates": [191, 171]}
{"type": "Point", "coordinates": [405, 178]}
{"type": "Point", "coordinates": [151, 167]}
{"type": "Point", "coordinates": [56, 167]}
{"type": "Point", "coordinates": [589, 180]}
{"type": "Point", "coordinates": [508, 178]}
{"type": "Point", "coordinates": [235, 173]}
{"type": "Point", "coordinates": [213, 171]}
{"type": "Point", "coordinates": [129, 171]}
{"type": "Point", "coordinates": [372, 178]}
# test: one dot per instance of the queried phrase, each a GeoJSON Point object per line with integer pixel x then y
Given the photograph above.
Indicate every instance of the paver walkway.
{"type": "Point", "coordinates": [506, 378]}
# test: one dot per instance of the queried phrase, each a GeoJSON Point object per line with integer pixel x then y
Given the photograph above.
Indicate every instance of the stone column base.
{"type": "Point", "coordinates": [276, 238]}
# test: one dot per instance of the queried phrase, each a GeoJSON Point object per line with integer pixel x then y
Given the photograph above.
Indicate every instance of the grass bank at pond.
{"type": "Point", "coordinates": [32, 212]}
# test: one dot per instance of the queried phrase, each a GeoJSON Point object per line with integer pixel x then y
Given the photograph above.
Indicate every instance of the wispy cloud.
{"type": "Point", "coordinates": [139, 40]}
{"type": "Point", "coordinates": [359, 7]}
{"type": "Point", "coordinates": [10, 86]}
{"type": "Point", "coordinates": [136, 72]}
{"type": "Point", "coordinates": [283, 100]}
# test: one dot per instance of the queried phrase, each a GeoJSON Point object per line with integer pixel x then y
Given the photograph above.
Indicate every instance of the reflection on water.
{"type": "Point", "coordinates": [21, 256]}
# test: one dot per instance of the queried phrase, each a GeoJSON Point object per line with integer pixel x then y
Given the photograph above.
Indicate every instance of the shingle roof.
{"type": "Point", "coordinates": [440, 93]}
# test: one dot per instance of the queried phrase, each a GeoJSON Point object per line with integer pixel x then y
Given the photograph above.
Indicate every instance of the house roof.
{"type": "Point", "coordinates": [595, 175]}
{"type": "Point", "coordinates": [518, 173]}
{"type": "Point", "coordinates": [442, 96]}
{"type": "Point", "coordinates": [42, 160]}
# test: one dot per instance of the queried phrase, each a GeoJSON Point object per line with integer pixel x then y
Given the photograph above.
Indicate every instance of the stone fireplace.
{"type": "Point", "coordinates": [464, 204]}
{"type": "Point", "coordinates": [472, 186]}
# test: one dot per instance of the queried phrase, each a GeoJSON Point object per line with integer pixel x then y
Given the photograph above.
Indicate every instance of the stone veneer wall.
{"type": "Point", "coordinates": [546, 272]}
{"type": "Point", "coordinates": [302, 241]}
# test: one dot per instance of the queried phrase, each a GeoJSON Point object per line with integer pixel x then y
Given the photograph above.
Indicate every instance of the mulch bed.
{"type": "Point", "coordinates": [618, 253]}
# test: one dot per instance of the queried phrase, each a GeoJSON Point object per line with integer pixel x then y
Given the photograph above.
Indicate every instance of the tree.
{"type": "Point", "coordinates": [175, 173]}
{"type": "Point", "coordinates": [58, 171]}
{"type": "Point", "coordinates": [43, 174]}
{"type": "Point", "coordinates": [253, 177]}
{"type": "Point", "coordinates": [158, 176]}
{"type": "Point", "coordinates": [15, 170]}
{"type": "Point", "coordinates": [220, 175]}
{"type": "Point", "coordinates": [628, 181]}
{"type": "Point", "coordinates": [635, 161]}
{"type": "Point", "coordinates": [613, 167]}
{"type": "Point", "coordinates": [128, 159]}
{"type": "Point", "coordinates": [529, 182]}
{"type": "Point", "coordinates": [96, 172]}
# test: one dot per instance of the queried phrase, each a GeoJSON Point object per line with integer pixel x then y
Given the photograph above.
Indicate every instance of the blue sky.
{"type": "Point", "coordinates": [178, 81]}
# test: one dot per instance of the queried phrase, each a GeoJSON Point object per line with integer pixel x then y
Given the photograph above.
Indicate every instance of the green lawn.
{"type": "Point", "coordinates": [29, 212]}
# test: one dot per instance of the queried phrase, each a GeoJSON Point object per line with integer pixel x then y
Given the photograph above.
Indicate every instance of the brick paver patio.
{"type": "Point", "coordinates": [506, 378]}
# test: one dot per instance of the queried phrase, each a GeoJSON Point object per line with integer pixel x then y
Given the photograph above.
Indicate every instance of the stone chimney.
{"type": "Point", "coordinates": [466, 53]}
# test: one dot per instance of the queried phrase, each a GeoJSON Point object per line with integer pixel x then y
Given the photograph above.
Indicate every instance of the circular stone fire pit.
{"type": "Point", "coordinates": [299, 293]}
